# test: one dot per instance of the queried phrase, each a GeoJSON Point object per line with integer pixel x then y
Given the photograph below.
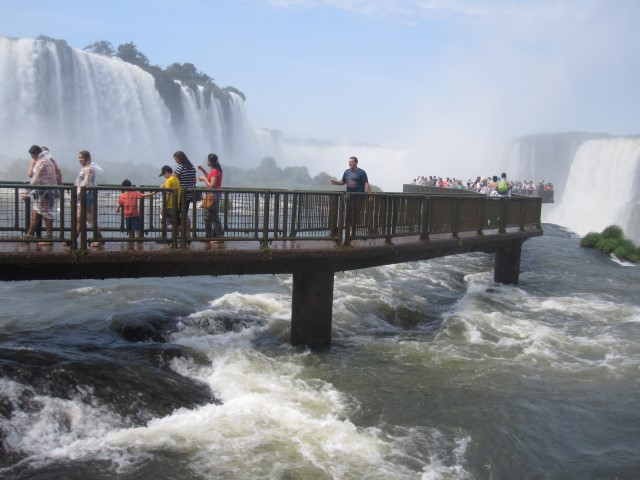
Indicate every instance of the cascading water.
{"type": "Point", "coordinates": [71, 99]}
{"type": "Point", "coordinates": [601, 189]}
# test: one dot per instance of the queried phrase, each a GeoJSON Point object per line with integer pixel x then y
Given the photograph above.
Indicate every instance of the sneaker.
{"type": "Point", "coordinates": [96, 244]}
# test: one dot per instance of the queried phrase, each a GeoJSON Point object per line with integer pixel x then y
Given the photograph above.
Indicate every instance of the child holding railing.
{"type": "Point", "coordinates": [128, 203]}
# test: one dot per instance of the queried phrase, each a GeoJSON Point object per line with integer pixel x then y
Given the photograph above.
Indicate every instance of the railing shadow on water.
{"type": "Point", "coordinates": [264, 216]}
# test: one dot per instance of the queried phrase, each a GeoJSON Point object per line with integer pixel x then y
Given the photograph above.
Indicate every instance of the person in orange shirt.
{"type": "Point", "coordinates": [128, 203]}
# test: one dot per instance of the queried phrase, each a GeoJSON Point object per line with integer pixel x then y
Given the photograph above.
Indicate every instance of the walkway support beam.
{"type": "Point", "coordinates": [311, 309]}
{"type": "Point", "coordinates": [507, 263]}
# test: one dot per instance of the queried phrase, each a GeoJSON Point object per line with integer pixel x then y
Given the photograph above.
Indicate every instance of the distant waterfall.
{"type": "Point", "coordinates": [602, 189]}
{"type": "Point", "coordinates": [70, 100]}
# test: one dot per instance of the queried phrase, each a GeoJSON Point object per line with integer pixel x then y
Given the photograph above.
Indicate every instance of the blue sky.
{"type": "Point", "coordinates": [395, 73]}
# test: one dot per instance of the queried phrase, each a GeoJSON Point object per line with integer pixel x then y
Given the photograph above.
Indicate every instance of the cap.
{"type": "Point", "coordinates": [165, 169]}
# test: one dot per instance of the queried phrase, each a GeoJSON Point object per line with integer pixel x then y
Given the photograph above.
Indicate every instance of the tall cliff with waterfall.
{"type": "Point", "coordinates": [70, 100]}
{"type": "Point", "coordinates": [596, 178]}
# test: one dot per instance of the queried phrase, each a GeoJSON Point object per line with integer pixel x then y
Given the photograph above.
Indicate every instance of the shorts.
{"type": "Point", "coordinates": [133, 224]}
{"type": "Point", "coordinates": [170, 216]}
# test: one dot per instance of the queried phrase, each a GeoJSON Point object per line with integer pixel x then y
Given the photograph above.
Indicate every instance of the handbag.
{"type": "Point", "coordinates": [208, 201]}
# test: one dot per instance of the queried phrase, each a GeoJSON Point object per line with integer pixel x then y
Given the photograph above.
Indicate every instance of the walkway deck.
{"type": "Point", "coordinates": [28, 261]}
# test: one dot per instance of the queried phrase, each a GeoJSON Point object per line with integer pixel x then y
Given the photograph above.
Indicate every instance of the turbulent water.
{"type": "Point", "coordinates": [435, 372]}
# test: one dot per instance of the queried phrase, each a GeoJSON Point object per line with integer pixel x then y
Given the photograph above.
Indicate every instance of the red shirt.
{"type": "Point", "coordinates": [215, 173]}
{"type": "Point", "coordinates": [129, 201]}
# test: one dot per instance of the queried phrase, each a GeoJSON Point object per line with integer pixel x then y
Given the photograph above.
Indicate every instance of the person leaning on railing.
{"type": "Point", "coordinates": [128, 203]}
{"type": "Point", "coordinates": [171, 183]}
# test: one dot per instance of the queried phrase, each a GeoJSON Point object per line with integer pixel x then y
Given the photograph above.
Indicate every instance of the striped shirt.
{"type": "Point", "coordinates": [187, 177]}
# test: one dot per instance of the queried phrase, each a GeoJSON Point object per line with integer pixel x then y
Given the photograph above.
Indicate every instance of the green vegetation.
{"type": "Point", "coordinates": [612, 241]}
{"type": "Point", "coordinates": [187, 73]}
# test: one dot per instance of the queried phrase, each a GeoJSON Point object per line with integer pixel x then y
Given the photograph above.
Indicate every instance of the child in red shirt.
{"type": "Point", "coordinates": [128, 201]}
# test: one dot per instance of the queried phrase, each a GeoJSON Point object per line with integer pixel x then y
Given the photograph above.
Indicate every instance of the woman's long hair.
{"type": "Point", "coordinates": [86, 155]}
{"type": "Point", "coordinates": [212, 158]}
{"type": "Point", "coordinates": [182, 159]}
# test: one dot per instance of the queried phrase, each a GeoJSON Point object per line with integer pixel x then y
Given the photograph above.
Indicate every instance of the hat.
{"type": "Point", "coordinates": [165, 169]}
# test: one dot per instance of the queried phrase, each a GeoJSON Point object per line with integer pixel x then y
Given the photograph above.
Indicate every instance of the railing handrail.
{"type": "Point", "coordinates": [268, 215]}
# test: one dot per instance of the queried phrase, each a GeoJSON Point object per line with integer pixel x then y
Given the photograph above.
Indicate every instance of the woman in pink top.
{"type": "Point", "coordinates": [213, 180]}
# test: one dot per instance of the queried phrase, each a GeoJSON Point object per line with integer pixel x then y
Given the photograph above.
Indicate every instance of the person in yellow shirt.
{"type": "Point", "coordinates": [171, 183]}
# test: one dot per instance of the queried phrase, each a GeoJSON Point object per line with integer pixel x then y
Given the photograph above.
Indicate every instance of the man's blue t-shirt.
{"type": "Point", "coordinates": [355, 179]}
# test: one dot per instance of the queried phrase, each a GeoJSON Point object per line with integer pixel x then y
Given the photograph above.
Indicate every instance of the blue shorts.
{"type": "Point", "coordinates": [133, 224]}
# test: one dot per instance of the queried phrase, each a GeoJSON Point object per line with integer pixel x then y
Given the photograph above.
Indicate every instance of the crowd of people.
{"type": "Point", "coordinates": [489, 185]}
{"type": "Point", "coordinates": [44, 171]}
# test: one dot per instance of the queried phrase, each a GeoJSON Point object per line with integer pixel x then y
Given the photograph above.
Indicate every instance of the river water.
{"type": "Point", "coordinates": [435, 372]}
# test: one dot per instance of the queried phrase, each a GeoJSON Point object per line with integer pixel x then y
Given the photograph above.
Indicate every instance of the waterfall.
{"type": "Point", "coordinates": [71, 100]}
{"type": "Point", "coordinates": [601, 189]}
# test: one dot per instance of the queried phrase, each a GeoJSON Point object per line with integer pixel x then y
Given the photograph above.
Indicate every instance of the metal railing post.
{"type": "Point", "coordinates": [264, 241]}
{"type": "Point", "coordinates": [83, 218]}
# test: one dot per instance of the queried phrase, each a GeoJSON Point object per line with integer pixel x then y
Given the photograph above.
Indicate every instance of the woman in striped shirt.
{"type": "Point", "coordinates": [186, 174]}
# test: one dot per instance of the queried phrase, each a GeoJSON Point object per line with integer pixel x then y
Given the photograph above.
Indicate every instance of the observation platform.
{"type": "Point", "coordinates": [308, 234]}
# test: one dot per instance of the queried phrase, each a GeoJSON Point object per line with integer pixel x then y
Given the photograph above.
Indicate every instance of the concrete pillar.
{"type": "Point", "coordinates": [507, 264]}
{"type": "Point", "coordinates": [311, 309]}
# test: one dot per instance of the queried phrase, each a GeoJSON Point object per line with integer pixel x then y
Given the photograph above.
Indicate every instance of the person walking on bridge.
{"type": "Point", "coordinates": [42, 172]}
{"type": "Point", "coordinates": [354, 178]}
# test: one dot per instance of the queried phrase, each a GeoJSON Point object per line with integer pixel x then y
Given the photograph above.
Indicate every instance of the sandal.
{"type": "Point", "coordinates": [26, 238]}
{"type": "Point", "coordinates": [45, 241]}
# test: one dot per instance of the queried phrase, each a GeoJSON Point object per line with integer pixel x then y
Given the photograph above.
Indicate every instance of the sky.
{"type": "Point", "coordinates": [416, 75]}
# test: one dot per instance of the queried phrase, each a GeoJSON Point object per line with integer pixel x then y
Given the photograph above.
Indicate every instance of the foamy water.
{"type": "Point", "coordinates": [435, 372]}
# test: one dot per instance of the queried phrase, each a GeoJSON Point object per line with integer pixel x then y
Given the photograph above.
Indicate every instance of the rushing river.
{"type": "Point", "coordinates": [435, 372]}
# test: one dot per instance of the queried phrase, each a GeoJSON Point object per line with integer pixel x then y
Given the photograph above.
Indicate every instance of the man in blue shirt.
{"type": "Point", "coordinates": [354, 178]}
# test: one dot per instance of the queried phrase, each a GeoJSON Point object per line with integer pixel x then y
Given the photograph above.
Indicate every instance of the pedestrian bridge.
{"type": "Point", "coordinates": [310, 234]}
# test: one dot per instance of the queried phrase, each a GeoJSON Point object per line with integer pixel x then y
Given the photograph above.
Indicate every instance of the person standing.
{"type": "Point", "coordinates": [185, 172]}
{"type": "Point", "coordinates": [87, 178]}
{"type": "Point", "coordinates": [213, 180]}
{"type": "Point", "coordinates": [503, 187]}
{"type": "Point", "coordinates": [128, 202]}
{"type": "Point", "coordinates": [42, 172]}
{"type": "Point", "coordinates": [354, 178]}
{"type": "Point", "coordinates": [171, 184]}
{"type": "Point", "coordinates": [56, 193]}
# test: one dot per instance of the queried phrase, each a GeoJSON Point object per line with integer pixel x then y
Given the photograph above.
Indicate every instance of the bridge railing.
{"type": "Point", "coordinates": [396, 215]}
{"type": "Point", "coordinates": [265, 215]}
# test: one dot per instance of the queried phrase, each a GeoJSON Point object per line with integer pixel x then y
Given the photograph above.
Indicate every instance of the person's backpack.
{"type": "Point", "coordinates": [503, 186]}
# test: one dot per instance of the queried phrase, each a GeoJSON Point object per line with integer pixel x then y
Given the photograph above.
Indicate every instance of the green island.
{"type": "Point", "coordinates": [612, 241]}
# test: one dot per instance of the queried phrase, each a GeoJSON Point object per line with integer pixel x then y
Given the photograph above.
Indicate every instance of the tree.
{"type": "Point", "coordinates": [188, 72]}
{"type": "Point", "coordinates": [129, 53]}
{"type": "Point", "coordinates": [101, 48]}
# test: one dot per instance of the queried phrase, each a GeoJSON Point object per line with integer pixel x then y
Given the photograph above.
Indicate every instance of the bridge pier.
{"type": "Point", "coordinates": [507, 263]}
{"type": "Point", "coordinates": [311, 308]}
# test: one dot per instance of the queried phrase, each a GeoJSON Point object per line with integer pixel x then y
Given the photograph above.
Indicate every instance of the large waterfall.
{"type": "Point", "coordinates": [602, 188]}
{"type": "Point", "coordinates": [69, 100]}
